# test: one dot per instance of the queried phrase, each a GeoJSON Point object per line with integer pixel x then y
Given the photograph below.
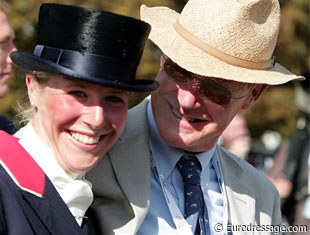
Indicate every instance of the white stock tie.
{"type": "Point", "coordinates": [77, 195]}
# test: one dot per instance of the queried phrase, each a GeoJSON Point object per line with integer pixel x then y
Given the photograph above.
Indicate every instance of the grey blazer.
{"type": "Point", "coordinates": [121, 183]}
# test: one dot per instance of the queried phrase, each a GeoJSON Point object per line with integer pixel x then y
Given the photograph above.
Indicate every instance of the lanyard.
{"type": "Point", "coordinates": [219, 174]}
{"type": "Point", "coordinates": [180, 222]}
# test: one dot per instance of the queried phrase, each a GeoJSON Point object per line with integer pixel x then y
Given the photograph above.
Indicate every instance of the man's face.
{"type": "Point", "coordinates": [192, 111]}
{"type": "Point", "coordinates": [6, 47]}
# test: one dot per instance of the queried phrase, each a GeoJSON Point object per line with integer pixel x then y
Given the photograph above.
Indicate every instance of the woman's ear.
{"type": "Point", "coordinates": [31, 88]}
{"type": "Point", "coordinates": [255, 94]}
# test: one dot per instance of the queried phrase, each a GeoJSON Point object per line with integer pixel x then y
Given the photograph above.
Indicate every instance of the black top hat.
{"type": "Point", "coordinates": [87, 44]}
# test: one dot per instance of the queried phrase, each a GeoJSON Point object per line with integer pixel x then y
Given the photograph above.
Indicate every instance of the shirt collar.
{"type": "Point", "coordinates": [73, 188]}
{"type": "Point", "coordinates": [42, 154]}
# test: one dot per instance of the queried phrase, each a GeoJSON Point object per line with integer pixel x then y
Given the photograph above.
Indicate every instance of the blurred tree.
{"type": "Point", "coordinates": [275, 111]}
{"type": "Point", "coordinates": [292, 49]}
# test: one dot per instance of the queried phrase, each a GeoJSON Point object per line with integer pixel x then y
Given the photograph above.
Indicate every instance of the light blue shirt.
{"type": "Point", "coordinates": [165, 176]}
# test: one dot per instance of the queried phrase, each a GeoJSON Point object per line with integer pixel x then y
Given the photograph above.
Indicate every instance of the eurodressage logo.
{"type": "Point", "coordinates": [275, 229]}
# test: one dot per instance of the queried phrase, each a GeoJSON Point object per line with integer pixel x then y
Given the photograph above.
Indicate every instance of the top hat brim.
{"type": "Point", "coordinates": [31, 62]}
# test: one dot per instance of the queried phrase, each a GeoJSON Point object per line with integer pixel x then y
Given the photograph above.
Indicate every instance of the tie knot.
{"type": "Point", "coordinates": [190, 169]}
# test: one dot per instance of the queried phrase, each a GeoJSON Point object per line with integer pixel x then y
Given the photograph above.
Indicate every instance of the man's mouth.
{"type": "Point", "coordinates": [179, 116]}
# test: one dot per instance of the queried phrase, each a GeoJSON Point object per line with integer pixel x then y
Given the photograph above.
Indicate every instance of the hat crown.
{"type": "Point", "coordinates": [246, 29]}
{"type": "Point", "coordinates": [90, 31]}
{"type": "Point", "coordinates": [228, 39]}
{"type": "Point", "coordinates": [87, 44]}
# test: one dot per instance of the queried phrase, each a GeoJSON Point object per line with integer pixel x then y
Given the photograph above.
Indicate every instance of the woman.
{"type": "Point", "coordinates": [78, 78]}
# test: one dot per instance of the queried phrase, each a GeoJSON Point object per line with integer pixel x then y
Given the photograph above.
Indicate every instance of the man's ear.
{"type": "Point", "coordinates": [31, 88]}
{"type": "Point", "coordinates": [255, 94]}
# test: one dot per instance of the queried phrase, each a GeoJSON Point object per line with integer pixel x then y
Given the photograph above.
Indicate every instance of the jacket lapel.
{"type": "Point", "coordinates": [128, 159]}
{"type": "Point", "coordinates": [42, 205]}
{"type": "Point", "coordinates": [239, 196]}
{"type": "Point", "coordinates": [53, 212]}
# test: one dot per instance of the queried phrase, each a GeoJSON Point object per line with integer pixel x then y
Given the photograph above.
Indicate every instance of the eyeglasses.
{"type": "Point", "coordinates": [207, 86]}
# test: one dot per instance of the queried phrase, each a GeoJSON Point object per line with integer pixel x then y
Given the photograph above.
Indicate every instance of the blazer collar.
{"type": "Point", "coordinates": [38, 191]}
{"type": "Point", "coordinates": [54, 213]}
{"type": "Point", "coordinates": [20, 165]}
{"type": "Point", "coordinates": [130, 159]}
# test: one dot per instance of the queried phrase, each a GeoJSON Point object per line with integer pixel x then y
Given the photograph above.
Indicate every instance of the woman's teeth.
{"type": "Point", "coordinates": [85, 139]}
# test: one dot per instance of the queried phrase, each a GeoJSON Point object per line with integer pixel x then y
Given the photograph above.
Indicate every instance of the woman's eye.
{"type": "Point", "coordinates": [78, 94]}
{"type": "Point", "coordinates": [114, 99]}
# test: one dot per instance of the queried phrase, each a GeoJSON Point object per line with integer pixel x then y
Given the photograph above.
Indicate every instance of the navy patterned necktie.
{"type": "Point", "coordinates": [190, 169]}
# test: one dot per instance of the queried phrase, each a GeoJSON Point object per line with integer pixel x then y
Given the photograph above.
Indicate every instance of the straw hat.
{"type": "Point", "coordinates": [87, 44]}
{"type": "Point", "coordinates": [231, 39]}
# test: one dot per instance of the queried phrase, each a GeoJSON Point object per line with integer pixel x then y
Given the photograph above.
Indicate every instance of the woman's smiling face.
{"type": "Point", "coordinates": [78, 120]}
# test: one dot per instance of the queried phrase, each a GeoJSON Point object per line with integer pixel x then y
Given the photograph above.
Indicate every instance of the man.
{"type": "Point", "coordinates": [217, 59]}
{"type": "Point", "coordinates": [6, 47]}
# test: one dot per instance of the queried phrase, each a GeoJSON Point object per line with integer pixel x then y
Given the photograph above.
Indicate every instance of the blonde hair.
{"type": "Point", "coordinates": [25, 111]}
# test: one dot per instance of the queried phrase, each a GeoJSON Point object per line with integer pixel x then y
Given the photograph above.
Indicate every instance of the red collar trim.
{"type": "Point", "coordinates": [21, 167]}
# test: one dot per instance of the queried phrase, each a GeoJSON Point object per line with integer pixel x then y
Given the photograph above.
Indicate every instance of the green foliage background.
{"type": "Point", "coordinates": [276, 110]}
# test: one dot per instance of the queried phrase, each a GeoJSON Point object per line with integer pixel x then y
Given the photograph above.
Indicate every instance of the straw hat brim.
{"type": "Point", "coordinates": [197, 61]}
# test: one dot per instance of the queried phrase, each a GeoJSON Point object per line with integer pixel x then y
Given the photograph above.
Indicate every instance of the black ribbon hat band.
{"type": "Point", "coordinates": [88, 64]}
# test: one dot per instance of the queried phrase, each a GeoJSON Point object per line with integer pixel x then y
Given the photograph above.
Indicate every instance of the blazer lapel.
{"type": "Point", "coordinates": [241, 202]}
{"type": "Point", "coordinates": [129, 159]}
{"type": "Point", "coordinates": [41, 203]}
{"type": "Point", "coordinates": [53, 212]}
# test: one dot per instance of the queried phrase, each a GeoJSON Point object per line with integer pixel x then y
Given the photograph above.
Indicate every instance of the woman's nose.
{"type": "Point", "coordinates": [94, 116]}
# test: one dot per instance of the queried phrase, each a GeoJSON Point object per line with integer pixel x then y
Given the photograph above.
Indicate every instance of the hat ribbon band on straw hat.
{"type": "Point", "coordinates": [87, 63]}
{"type": "Point", "coordinates": [259, 65]}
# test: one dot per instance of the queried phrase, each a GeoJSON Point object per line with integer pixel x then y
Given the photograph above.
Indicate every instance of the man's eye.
{"type": "Point", "coordinates": [114, 99]}
{"type": "Point", "coordinates": [5, 45]}
{"type": "Point", "coordinates": [78, 94]}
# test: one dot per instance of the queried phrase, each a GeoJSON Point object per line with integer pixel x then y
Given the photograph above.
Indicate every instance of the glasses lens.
{"type": "Point", "coordinates": [212, 90]}
{"type": "Point", "coordinates": [215, 92]}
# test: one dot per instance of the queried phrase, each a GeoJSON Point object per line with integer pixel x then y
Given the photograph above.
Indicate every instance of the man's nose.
{"type": "Point", "coordinates": [187, 98]}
